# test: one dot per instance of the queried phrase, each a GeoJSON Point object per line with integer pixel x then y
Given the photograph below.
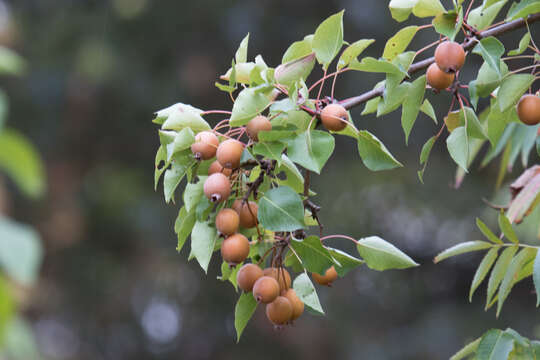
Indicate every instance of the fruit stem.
{"type": "Point", "coordinates": [338, 236]}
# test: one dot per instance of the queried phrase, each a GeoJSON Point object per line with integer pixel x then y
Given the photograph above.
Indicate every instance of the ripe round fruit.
{"type": "Point", "coordinates": [227, 221]}
{"type": "Point", "coordinates": [216, 167]}
{"type": "Point", "coordinates": [265, 289]}
{"type": "Point", "coordinates": [279, 311]}
{"type": "Point", "coordinates": [328, 278]}
{"type": "Point", "coordinates": [297, 304]}
{"type": "Point", "coordinates": [528, 109]}
{"type": "Point", "coordinates": [229, 153]}
{"type": "Point", "coordinates": [281, 275]}
{"type": "Point", "coordinates": [248, 213]}
{"type": "Point", "coordinates": [334, 117]}
{"type": "Point", "coordinates": [437, 78]}
{"type": "Point", "coordinates": [247, 275]}
{"type": "Point", "coordinates": [235, 249]}
{"type": "Point", "coordinates": [449, 56]}
{"type": "Point", "coordinates": [217, 187]}
{"type": "Point", "coordinates": [205, 145]}
{"type": "Point", "coordinates": [258, 123]}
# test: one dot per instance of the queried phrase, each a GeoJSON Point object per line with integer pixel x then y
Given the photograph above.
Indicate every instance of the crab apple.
{"type": "Point", "coordinates": [528, 109]}
{"type": "Point", "coordinates": [205, 145]}
{"type": "Point", "coordinates": [328, 278]}
{"type": "Point", "coordinates": [449, 56]}
{"type": "Point", "coordinates": [229, 153]}
{"type": "Point", "coordinates": [334, 117]}
{"type": "Point", "coordinates": [257, 124]}
{"type": "Point", "coordinates": [297, 304]}
{"type": "Point", "coordinates": [247, 211]}
{"type": "Point", "coordinates": [216, 167]}
{"type": "Point", "coordinates": [235, 249]}
{"type": "Point", "coordinates": [279, 311]}
{"type": "Point", "coordinates": [265, 289]}
{"type": "Point", "coordinates": [247, 275]}
{"type": "Point", "coordinates": [281, 275]}
{"type": "Point", "coordinates": [437, 78]}
{"type": "Point", "coordinates": [227, 221]}
{"type": "Point", "coordinates": [217, 187]}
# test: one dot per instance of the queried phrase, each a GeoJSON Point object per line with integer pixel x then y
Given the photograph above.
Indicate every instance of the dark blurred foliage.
{"type": "Point", "coordinates": [113, 286]}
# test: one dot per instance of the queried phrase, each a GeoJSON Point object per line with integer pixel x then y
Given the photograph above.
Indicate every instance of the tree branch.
{"type": "Point", "coordinates": [467, 45]}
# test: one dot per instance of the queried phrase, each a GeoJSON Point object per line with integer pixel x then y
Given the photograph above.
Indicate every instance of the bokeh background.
{"type": "Point", "coordinates": [112, 285]}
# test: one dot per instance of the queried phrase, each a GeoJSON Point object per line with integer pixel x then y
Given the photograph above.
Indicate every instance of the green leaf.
{"type": "Point", "coordinates": [271, 150]}
{"type": "Point", "coordinates": [483, 16]}
{"type": "Point", "coordinates": [174, 175]}
{"type": "Point", "coordinates": [299, 69]}
{"type": "Point", "coordinates": [498, 271]}
{"type": "Point", "coordinates": [523, 43]}
{"type": "Point", "coordinates": [462, 248]}
{"type": "Point", "coordinates": [523, 9]}
{"type": "Point", "coordinates": [411, 105]}
{"type": "Point", "coordinates": [401, 9]}
{"type": "Point", "coordinates": [458, 146]}
{"type": "Point", "coordinates": [249, 103]}
{"type": "Point", "coordinates": [424, 155]}
{"type": "Point", "coordinates": [506, 228]}
{"type": "Point", "coordinates": [495, 345]}
{"type": "Point", "coordinates": [203, 240]}
{"type": "Point", "coordinates": [4, 107]}
{"type": "Point", "coordinates": [483, 269]}
{"type": "Point", "coordinates": [393, 98]}
{"type": "Point", "coordinates": [467, 350]}
{"type": "Point", "coordinates": [369, 64]}
{"type": "Point", "coordinates": [243, 311]}
{"type": "Point", "coordinates": [183, 225]}
{"type": "Point", "coordinates": [536, 277]}
{"type": "Point", "coordinates": [229, 274]}
{"type": "Point", "coordinates": [399, 42]}
{"type": "Point", "coordinates": [427, 109]}
{"type": "Point", "coordinates": [474, 127]}
{"type": "Point", "coordinates": [371, 106]}
{"type": "Point", "coordinates": [281, 209]}
{"type": "Point", "coordinates": [20, 251]}
{"type": "Point", "coordinates": [305, 290]}
{"type": "Point", "coordinates": [512, 88]}
{"type": "Point", "coordinates": [487, 232]}
{"type": "Point", "coordinates": [352, 52]}
{"type": "Point", "coordinates": [346, 262]}
{"type": "Point", "coordinates": [193, 193]}
{"type": "Point", "coordinates": [21, 161]}
{"type": "Point", "coordinates": [314, 256]}
{"type": "Point", "coordinates": [297, 50]}
{"type": "Point", "coordinates": [328, 39]}
{"type": "Point", "coordinates": [241, 53]}
{"type": "Point", "coordinates": [374, 154]}
{"type": "Point", "coordinates": [19, 341]}
{"type": "Point", "coordinates": [179, 116]}
{"type": "Point", "coordinates": [311, 149]}
{"type": "Point", "coordinates": [491, 50]}
{"type": "Point", "coordinates": [174, 142]}
{"type": "Point", "coordinates": [511, 274]}
{"type": "Point", "coordinates": [448, 23]}
{"type": "Point", "coordinates": [11, 63]}
{"type": "Point", "coordinates": [381, 255]}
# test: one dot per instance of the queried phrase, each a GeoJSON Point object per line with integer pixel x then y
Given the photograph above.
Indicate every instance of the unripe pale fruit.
{"type": "Point", "coordinates": [528, 109]}
{"type": "Point", "coordinates": [437, 78]}
{"type": "Point", "coordinates": [334, 117]}
{"type": "Point", "coordinates": [279, 311]}
{"type": "Point", "coordinates": [227, 221]}
{"type": "Point", "coordinates": [205, 145]}
{"type": "Point", "coordinates": [235, 249]}
{"type": "Point", "coordinates": [265, 289]}
{"type": "Point", "coordinates": [217, 187]}
{"type": "Point", "coordinates": [281, 275]}
{"type": "Point", "coordinates": [216, 167]}
{"type": "Point", "coordinates": [229, 153]}
{"type": "Point", "coordinates": [449, 56]}
{"type": "Point", "coordinates": [297, 304]}
{"type": "Point", "coordinates": [258, 123]}
{"type": "Point", "coordinates": [328, 278]}
{"type": "Point", "coordinates": [248, 213]}
{"type": "Point", "coordinates": [247, 276]}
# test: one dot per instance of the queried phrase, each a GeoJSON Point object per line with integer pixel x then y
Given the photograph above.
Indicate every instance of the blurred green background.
{"type": "Point", "coordinates": [112, 285]}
